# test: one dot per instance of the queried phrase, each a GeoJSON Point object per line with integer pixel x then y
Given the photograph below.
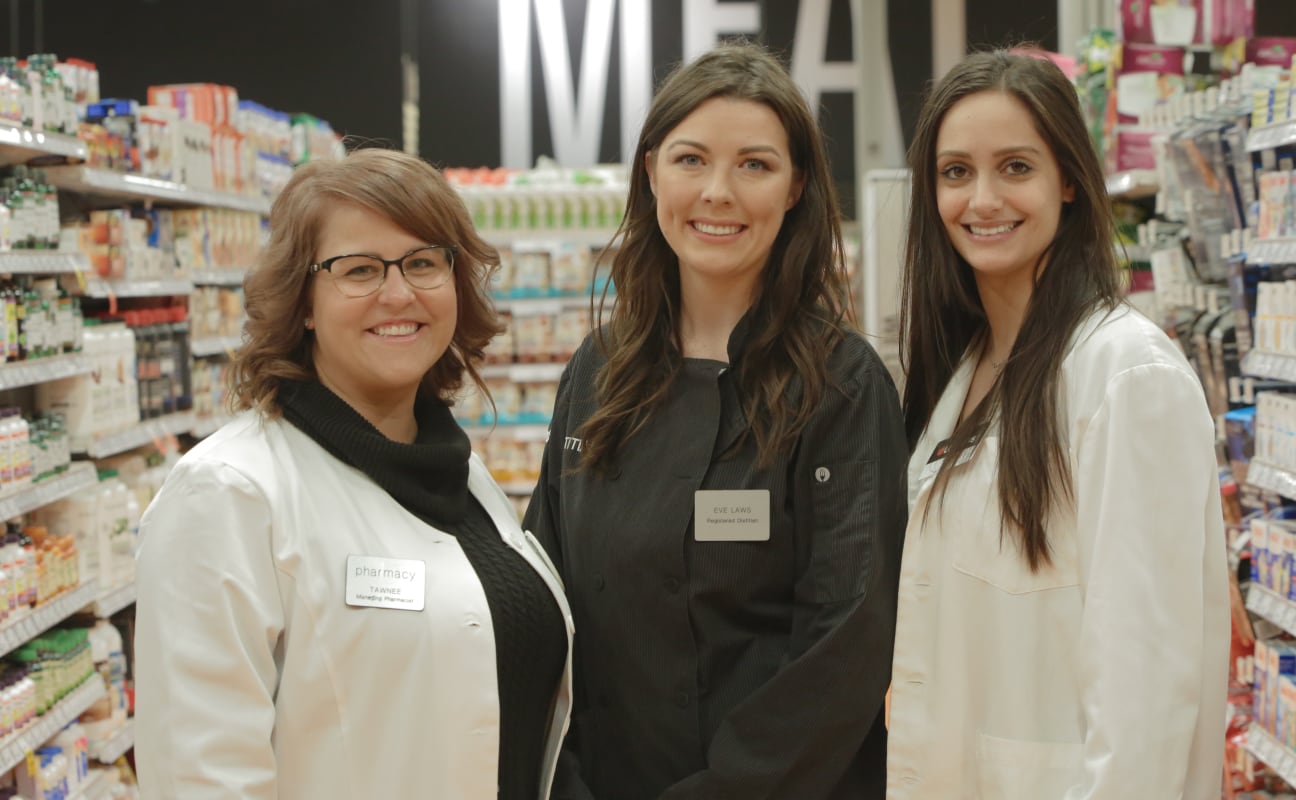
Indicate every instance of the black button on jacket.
{"type": "Point", "coordinates": [729, 670]}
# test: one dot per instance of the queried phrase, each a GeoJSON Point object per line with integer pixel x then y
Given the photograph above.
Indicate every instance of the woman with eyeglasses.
{"type": "Point", "coordinates": [334, 596]}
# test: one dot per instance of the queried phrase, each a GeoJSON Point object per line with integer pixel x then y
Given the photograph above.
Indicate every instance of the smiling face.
{"type": "Point", "coordinates": [998, 188]}
{"type": "Point", "coordinates": [723, 179]}
{"type": "Point", "coordinates": [374, 351]}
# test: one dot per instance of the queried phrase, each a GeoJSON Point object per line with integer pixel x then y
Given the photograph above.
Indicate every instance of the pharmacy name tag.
{"type": "Point", "coordinates": [386, 582]}
{"type": "Point", "coordinates": [731, 515]}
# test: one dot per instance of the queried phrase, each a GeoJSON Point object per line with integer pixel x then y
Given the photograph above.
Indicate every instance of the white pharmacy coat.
{"type": "Point", "coordinates": [1103, 676]}
{"type": "Point", "coordinates": [254, 677]}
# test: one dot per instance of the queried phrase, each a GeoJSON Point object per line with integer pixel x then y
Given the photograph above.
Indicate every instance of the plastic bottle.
{"type": "Point", "coordinates": [23, 471]}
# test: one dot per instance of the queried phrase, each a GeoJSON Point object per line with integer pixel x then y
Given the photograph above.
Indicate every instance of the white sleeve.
{"type": "Point", "coordinates": [208, 620]}
{"type": "Point", "coordinates": [1151, 554]}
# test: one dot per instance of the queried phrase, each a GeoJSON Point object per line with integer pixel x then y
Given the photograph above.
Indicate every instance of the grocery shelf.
{"type": "Point", "coordinates": [1272, 606]}
{"type": "Point", "coordinates": [206, 426]}
{"type": "Point", "coordinates": [1268, 476]}
{"type": "Point", "coordinates": [48, 725]}
{"type": "Point", "coordinates": [1276, 366]}
{"type": "Point", "coordinates": [1133, 184]}
{"type": "Point", "coordinates": [43, 370]}
{"type": "Point", "coordinates": [1277, 134]}
{"type": "Point", "coordinates": [521, 433]}
{"type": "Point", "coordinates": [109, 444]}
{"type": "Point", "coordinates": [1277, 250]}
{"type": "Point", "coordinates": [97, 787]}
{"type": "Point", "coordinates": [218, 277]}
{"type": "Point", "coordinates": [110, 601]}
{"type": "Point", "coordinates": [546, 239]}
{"type": "Point", "coordinates": [1272, 752]}
{"type": "Point", "coordinates": [98, 287]}
{"type": "Point", "coordinates": [78, 476]}
{"type": "Point", "coordinates": [518, 488]}
{"type": "Point", "coordinates": [16, 632]}
{"type": "Point", "coordinates": [107, 751]}
{"type": "Point", "coordinates": [215, 345]}
{"type": "Point", "coordinates": [524, 373]}
{"type": "Point", "coordinates": [128, 187]}
{"type": "Point", "coordinates": [19, 144]}
{"type": "Point", "coordinates": [42, 262]}
{"type": "Point", "coordinates": [535, 306]}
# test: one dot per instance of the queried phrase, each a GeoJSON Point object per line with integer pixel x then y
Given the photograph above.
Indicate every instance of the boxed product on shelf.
{"type": "Point", "coordinates": [29, 210]}
{"type": "Point", "coordinates": [209, 380]}
{"type": "Point", "coordinates": [533, 337]}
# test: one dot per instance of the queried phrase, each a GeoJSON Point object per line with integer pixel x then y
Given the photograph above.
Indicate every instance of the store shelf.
{"type": "Point", "coordinates": [1275, 479]}
{"type": "Point", "coordinates": [1272, 752]}
{"type": "Point", "coordinates": [109, 444]}
{"type": "Point", "coordinates": [535, 306]}
{"type": "Point", "coordinates": [547, 239]}
{"type": "Point", "coordinates": [49, 724]}
{"type": "Point", "coordinates": [113, 600]}
{"type": "Point", "coordinates": [1266, 137]}
{"type": "Point", "coordinates": [98, 786]}
{"type": "Point", "coordinates": [205, 427]}
{"type": "Point", "coordinates": [215, 346]}
{"type": "Point", "coordinates": [1280, 250]}
{"type": "Point", "coordinates": [107, 751]}
{"type": "Point", "coordinates": [98, 287]}
{"type": "Point", "coordinates": [521, 433]}
{"type": "Point", "coordinates": [123, 186]}
{"type": "Point", "coordinates": [42, 370]}
{"type": "Point", "coordinates": [524, 373]}
{"type": "Point", "coordinates": [518, 488]}
{"type": "Point", "coordinates": [1273, 607]}
{"type": "Point", "coordinates": [1133, 184]}
{"type": "Point", "coordinates": [218, 277]}
{"type": "Point", "coordinates": [1277, 366]}
{"type": "Point", "coordinates": [77, 477]}
{"type": "Point", "coordinates": [42, 262]}
{"type": "Point", "coordinates": [19, 144]}
{"type": "Point", "coordinates": [15, 632]}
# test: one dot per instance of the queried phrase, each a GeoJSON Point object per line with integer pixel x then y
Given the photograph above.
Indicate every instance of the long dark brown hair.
{"type": "Point", "coordinates": [411, 193]}
{"type": "Point", "coordinates": [942, 318]}
{"type": "Point", "coordinates": [803, 299]}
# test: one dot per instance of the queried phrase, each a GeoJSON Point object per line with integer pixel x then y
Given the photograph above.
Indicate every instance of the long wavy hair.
{"type": "Point", "coordinates": [802, 305]}
{"type": "Point", "coordinates": [276, 293]}
{"type": "Point", "coordinates": [942, 318]}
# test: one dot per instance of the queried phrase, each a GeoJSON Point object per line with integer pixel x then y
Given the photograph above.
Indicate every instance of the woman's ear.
{"type": "Point", "coordinates": [648, 170]}
{"type": "Point", "coordinates": [794, 194]}
{"type": "Point", "coordinates": [1068, 193]}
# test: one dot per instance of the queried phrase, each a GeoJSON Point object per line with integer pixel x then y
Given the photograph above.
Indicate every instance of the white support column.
{"type": "Point", "coordinates": [878, 143]}
{"type": "Point", "coordinates": [1076, 18]}
{"type": "Point", "coordinates": [949, 35]}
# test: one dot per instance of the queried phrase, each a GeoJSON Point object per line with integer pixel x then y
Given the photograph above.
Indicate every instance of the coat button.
{"type": "Point", "coordinates": [598, 583]}
{"type": "Point", "coordinates": [671, 585]}
{"type": "Point", "coordinates": [822, 474]}
{"type": "Point", "coordinates": [682, 699]}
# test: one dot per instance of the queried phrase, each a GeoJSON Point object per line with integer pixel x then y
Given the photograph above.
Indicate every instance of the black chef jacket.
{"type": "Point", "coordinates": [729, 670]}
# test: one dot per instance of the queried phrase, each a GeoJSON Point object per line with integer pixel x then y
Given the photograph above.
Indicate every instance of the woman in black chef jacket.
{"type": "Point", "coordinates": [723, 489]}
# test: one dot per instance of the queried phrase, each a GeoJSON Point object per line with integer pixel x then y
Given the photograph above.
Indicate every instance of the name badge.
{"type": "Point", "coordinates": [731, 515]}
{"type": "Point", "coordinates": [386, 582]}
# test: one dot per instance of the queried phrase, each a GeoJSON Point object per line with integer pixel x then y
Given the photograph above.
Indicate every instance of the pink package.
{"type": "Point", "coordinates": [1273, 51]}
{"type": "Point", "coordinates": [1130, 148]}
{"type": "Point", "coordinates": [1135, 21]}
{"type": "Point", "coordinates": [1148, 75]}
{"type": "Point", "coordinates": [1222, 21]}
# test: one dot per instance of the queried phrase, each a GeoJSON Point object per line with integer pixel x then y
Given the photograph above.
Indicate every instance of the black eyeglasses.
{"type": "Point", "coordinates": [427, 267]}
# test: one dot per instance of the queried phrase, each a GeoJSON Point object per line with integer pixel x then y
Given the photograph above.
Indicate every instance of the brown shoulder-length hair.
{"type": "Point", "coordinates": [803, 299]}
{"type": "Point", "coordinates": [941, 313]}
{"type": "Point", "coordinates": [408, 191]}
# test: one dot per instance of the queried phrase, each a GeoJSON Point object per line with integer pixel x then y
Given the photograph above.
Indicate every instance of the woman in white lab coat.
{"type": "Point", "coordinates": [1062, 627]}
{"type": "Point", "coordinates": [335, 599]}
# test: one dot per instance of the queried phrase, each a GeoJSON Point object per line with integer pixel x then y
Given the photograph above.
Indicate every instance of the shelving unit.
{"type": "Point", "coordinates": [1272, 752]}
{"type": "Point", "coordinates": [540, 239]}
{"type": "Point", "coordinates": [111, 601]}
{"type": "Point", "coordinates": [78, 476]}
{"type": "Point", "coordinates": [1272, 478]}
{"type": "Point", "coordinates": [96, 787]}
{"type": "Point", "coordinates": [1278, 250]}
{"type": "Point", "coordinates": [1278, 366]}
{"type": "Point", "coordinates": [125, 187]}
{"type": "Point", "coordinates": [215, 346]}
{"type": "Point", "coordinates": [1278, 610]}
{"type": "Point", "coordinates": [106, 289]}
{"type": "Point", "coordinates": [110, 444]}
{"type": "Point", "coordinates": [218, 277]}
{"type": "Point", "coordinates": [1266, 137]}
{"type": "Point", "coordinates": [15, 632]}
{"type": "Point", "coordinates": [111, 749]}
{"type": "Point", "coordinates": [19, 144]}
{"type": "Point", "coordinates": [521, 433]}
{"type": "Point", "coordinates": [524, 373]}
{"type": "Point", "coordinates": [43, 370]}
{"type": "Point", "coordinates": [42, 262]}
{"type": "Point", "coordinates": [53, 721]}
{"type": "Point", "coordinates": [1133, 184]}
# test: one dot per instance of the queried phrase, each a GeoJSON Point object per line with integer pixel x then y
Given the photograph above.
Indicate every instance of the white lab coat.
{"type": "Point", "coordinates": [256, 680]}
{"type": "Point", "coordinates": [1103, 676]}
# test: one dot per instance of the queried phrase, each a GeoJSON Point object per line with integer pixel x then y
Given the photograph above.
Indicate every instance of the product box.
{"type": "Point", "coordinates": [1271, 51]}
{"type": "Point", "coordinates": [1146, 75]}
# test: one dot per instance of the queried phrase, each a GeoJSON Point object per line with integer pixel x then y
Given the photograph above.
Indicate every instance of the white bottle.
{"type": "Point", "coordinates": [22, 455]}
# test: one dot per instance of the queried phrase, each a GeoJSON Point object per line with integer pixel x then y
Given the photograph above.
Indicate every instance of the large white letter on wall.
{"type": "Point", "coordinates": [705, 20]}
{"type": "Point", "coordinates": [814, 75]}
{"type": "Point", "coordinates": [575, 122]}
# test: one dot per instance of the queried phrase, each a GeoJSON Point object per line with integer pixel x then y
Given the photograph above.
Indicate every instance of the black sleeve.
{"type": "Point", "coordinates": [801, 733]}
{"type": "Point", "coordinates": [543, 519]}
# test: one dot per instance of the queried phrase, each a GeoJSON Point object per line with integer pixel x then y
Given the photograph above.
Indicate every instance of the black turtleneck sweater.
{"type": "Point", "coordinates": [429, 478]}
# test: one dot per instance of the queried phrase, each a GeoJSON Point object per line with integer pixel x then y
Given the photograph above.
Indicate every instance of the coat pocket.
{"type": "Point", "coordinates": [844, 497]}
{"type": "Point", "coordinates": [1011, 769]}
